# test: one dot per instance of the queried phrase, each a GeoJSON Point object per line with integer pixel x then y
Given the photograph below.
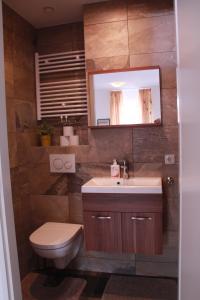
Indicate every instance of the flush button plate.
{"type": "Point", "coordinates": [62, 163]}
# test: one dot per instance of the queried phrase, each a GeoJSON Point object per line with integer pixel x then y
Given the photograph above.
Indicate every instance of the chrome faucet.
{"type": "Point", "coordinates": [124, 167]}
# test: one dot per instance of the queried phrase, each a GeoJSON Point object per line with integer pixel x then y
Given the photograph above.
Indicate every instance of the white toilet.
{"type": "Point", "coordinates": [58, 241]}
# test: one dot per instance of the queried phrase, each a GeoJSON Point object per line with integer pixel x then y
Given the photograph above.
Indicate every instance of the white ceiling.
{"type": "Point", "coordinates": [66, 11]}
{"type": "Point", "coordinates": [132, 79]}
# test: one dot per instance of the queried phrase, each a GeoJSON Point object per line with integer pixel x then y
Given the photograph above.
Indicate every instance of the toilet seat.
{"type": "Point", "coordinates": [53, 235]}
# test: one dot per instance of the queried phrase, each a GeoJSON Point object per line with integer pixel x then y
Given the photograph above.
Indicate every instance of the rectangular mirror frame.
{"type": "Point", "coordinates": [90, 97]}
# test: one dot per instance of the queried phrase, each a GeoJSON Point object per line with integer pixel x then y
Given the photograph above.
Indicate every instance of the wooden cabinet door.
{"type": "Point", "coordinates": [103, 231]}
{"type": "Point", "coordinates": [142, 233]}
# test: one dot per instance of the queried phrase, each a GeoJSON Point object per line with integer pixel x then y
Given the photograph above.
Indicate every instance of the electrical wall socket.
{"type": "Point", "coordinates": [169, 159]}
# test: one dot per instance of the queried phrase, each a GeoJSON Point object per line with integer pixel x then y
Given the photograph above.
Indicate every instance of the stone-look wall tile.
{"type": "Point", "coordinates": [106, 255]}
{"type": "Point", "coordinates": [170, 255]}
{"type": "Point", "coordinates": [172, 190]}
{"type": "Point", "coordinates": [41, 179]}
{"type": "Point", "coordinates": [138, 9]}
{"type": "Point", "coordinates": [25, 255]}
{"type": "Point", "coordinates": [19, 47]}
{"type": "Point", "coordinates": [75, 181]}
{"type": "Point", "coordinates": [23, 51]}
{"type": "Point", "coordinates": [166, 61]}
{"type": "Point", "coordinates": [8, 15]}
{"type": "Point", "coordinates": [170, 140]}
{"type": "Point", "coordinates": [21, 116]}
{"type": "Point", "coordinates": [8, 57]}
{"type": "Point", "coordinates": [40, 155]}
{"type": "Point", "coordinates": [47, 208]}
{"type": "Point", "coordinates": [85, 172]}
{"type": "Point", "coordinates": [21, 27]}
{"type": "Point", "coordinates": [156, 34]}
{"type": "Point", "coordinates": [161, 269]}
{"type": "Point", "coordinates": [108, 63]}
{"type": "Point", "coordinates": [9, 80]}
{"type": "Point", "coordinates": [24, 87]}
{"type": "Point", "coordinates": [81, 153]}
{"type": "Point", "coordinates": [12, 147]}
{"type": "Point", "coordinates": [147, 169]}
{"type": "Point", "coordinates": [20, 183]}
{"type": "Point", "coordinates": [111, 11]}
{"type": "Point", "coordinates": [106, 40]}
{"type": "Point", "coordinates": [60, 187]}
{"type": "Point", "coordinates": [170, 250]}
{"type": "Point", "coordinates": [107, 144]}
{"type": "Point", "coordinates": [169, 106]}
{"type": "Point", "coordinates": [43, 182]}
{"type": "Point", "coordinates": [11, 115]}
{"type": "Point", "coordinates": [171, 239]}
{"type": "Point", "coordinates": [22, 219]}
{"type": "Point", "coordinates": [23, 148]}
{"type": "Point", "coordinates": [104, 265]}
{"type": "Point", "coordinates": [171, 198]}
{"type": "Point", "coordinates": [115, 259]}
{"type": "Point", "coordinates": [75, 208]}
{"type": "Point", "coordinates": [60, 38]}
{"type": "Point", "coordinates": [89, 170]}
{"type": "Point", "coordinates": [25, 115]}
{"type": "Point", "coordinates": [151, 144]}
{"type": "Point", "coordinates": [171, 214]}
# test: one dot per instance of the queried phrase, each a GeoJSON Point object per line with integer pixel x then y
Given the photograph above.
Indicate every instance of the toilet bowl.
{"type": "Point", "coordinates": [57, 241]}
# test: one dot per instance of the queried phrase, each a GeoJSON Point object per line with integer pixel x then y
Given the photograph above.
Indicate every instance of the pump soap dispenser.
{"type": "Point", "coordinates": [115, 169]}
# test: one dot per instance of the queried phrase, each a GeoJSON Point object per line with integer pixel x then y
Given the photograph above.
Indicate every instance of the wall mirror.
{"type": "Point", "coordinates": [125, 97]}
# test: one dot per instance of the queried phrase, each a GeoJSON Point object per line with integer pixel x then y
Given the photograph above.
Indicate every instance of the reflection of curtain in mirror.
{"type": "Point", "coordinates": [115, 107]}
{"type": "Point", "coordinates": [146, 105]}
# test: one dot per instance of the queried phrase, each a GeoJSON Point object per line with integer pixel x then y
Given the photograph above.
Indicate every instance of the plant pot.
{"type": "Point", "coordinates": [45, 140]}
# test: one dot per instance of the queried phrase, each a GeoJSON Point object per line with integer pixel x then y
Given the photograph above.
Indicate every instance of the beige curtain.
{"type": "Point", "coordinates": [115, 107]}
{"type": "Point", "coordinates": [146, 105]}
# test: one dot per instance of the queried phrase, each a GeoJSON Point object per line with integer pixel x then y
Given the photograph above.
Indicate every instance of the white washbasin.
{"type": "Point", "coordinates": [133, 185]}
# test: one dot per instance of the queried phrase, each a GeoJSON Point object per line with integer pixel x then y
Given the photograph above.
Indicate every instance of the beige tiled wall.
{"type": "Point", "coordinates": [49, 208]}
{"type": "Point", "coordinates": [19, 38]}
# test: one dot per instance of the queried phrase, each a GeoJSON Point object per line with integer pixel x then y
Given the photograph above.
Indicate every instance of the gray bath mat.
{"type": "Point", "coordinates": [140, 288]}
{"type": "Point", "coordinates": [33, 288]}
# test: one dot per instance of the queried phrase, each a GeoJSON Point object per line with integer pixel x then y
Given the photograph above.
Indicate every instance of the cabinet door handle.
{"type": "Point", "coordinates": [141, 218]}
{"type": "Point", "coordinates": [101, 217]}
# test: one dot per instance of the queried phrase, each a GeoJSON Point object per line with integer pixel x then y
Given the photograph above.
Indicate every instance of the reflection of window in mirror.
{"type": "Point", "coordinates": [131, 106]}
{"type": "Point", "coordinates": [127, 97]}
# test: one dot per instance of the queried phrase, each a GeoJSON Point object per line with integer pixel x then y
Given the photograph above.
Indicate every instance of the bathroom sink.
{"type": "Point", "coordinates": [133, 185]}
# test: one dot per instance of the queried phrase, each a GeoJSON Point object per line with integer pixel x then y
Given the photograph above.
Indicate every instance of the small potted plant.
{"type": "Point", "coordinates": [45, 131]}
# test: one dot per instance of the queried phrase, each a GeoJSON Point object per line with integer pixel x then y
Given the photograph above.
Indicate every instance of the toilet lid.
{"type": "Point", "coordinates": [53, 235]}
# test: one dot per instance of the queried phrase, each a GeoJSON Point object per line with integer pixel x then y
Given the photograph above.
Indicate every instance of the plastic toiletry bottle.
{"type": "Point", "coordinates": [115, 169]}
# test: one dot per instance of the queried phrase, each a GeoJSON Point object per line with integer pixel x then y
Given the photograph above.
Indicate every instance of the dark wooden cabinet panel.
{"type": "Point", "coordinates": [103, 231]}
{"type": "Point", "coordinates": [123, 202]}
{"type": "Point", "coordinates": [130, 223]}
{"type": "Point", "coordinates": [129, 233]}
{"type": "Point", "coordinates": [142, 233]}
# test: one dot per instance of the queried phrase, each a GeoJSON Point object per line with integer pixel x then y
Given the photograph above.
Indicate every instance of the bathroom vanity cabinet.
{"type": "Point", "coordinates": [129, 223]}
